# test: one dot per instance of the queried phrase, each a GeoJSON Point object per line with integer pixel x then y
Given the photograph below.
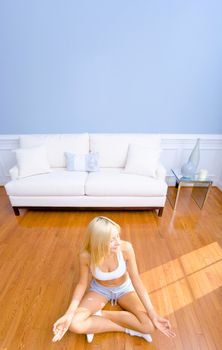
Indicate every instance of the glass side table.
{"type": "Point", "coordinates": [200, 188]}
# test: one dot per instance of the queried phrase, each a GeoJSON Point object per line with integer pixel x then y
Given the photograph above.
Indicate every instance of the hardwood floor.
{"type": "Point", "coordinates": [179, 258]}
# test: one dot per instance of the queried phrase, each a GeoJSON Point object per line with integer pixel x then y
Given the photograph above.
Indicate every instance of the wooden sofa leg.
{"type": "Point", "coordinates": [160, 212]}
{"type": "Point", "coordinates": [16, 211]}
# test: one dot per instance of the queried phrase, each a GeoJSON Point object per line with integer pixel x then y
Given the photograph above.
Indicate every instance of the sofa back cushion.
{"type": "Point", "coordinates": [57, 144]}
{"type": "Point", "coordinates": [113, 148]}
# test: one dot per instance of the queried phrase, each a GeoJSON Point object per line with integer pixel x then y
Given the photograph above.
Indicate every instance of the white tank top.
{"type": "Point", "coordinates": [118, 272]}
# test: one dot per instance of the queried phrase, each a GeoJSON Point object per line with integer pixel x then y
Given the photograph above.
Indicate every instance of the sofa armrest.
{"type": "Point", "coordinates": [161, 172]}
{"type": "Point", "coordinates": [14, 172]}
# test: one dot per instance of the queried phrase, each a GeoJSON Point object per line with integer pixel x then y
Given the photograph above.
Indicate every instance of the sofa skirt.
{"type": "Point", "coordinates": [87, 201]}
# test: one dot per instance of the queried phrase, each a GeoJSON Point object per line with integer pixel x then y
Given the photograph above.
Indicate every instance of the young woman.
{"type": "Point", "coordinates": [110, 264]}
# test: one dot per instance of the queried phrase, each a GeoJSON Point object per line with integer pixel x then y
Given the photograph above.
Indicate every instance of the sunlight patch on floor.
{"type": "Point", "coordinates": [179, 282]}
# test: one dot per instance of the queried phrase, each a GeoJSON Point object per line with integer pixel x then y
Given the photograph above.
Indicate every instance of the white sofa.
{"type": "Point", "coordinates": [109, 188]}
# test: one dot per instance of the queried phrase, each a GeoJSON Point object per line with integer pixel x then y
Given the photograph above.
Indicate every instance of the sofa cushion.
{"type": "Point", "coordinates": [142, 160]}
{"type": "Point", "coordinates": [32, 161]}
{"type": "Point", "coordinates": [57, 144]}
{"type": "Point", "coordinates": [121, 184]}
{"type": "Point", "coordinates": [59, 182]}
{"type": "Point", "coordinates": [113, 148]}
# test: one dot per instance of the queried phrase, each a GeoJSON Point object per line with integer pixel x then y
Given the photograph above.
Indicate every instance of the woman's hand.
{"type": "Point", "coordinates": [163, 325]}
{"type": "Point", "coordinates": [61, 326]}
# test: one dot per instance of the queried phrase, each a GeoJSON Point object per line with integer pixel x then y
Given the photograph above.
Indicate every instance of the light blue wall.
{"type": "Point", "coordinates": [110, 66]}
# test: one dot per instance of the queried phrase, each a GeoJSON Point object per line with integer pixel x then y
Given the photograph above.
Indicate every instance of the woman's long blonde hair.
{"type": "Point", "coordinates": [98, 237]}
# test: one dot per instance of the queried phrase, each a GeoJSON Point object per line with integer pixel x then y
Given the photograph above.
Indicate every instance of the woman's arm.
{"type": "Point", "coordinates": [61, 326]}
{"type": "Point", "coordinates": [136, 280]}
{"type": "Point", "coordinates": [82, 284]}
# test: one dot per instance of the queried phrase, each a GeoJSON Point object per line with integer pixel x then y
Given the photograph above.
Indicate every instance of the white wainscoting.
{"type": "Point", "coordinates": [176, 150]}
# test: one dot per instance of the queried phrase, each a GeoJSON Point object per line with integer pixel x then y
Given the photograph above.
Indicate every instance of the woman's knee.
{"type": "Point", "coordinates": [77, 324]}
{"type": "Point", "coordinates": [77, 328]}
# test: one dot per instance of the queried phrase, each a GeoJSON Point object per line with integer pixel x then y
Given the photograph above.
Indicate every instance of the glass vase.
{"type": "Point", "coordinates": [189, 168]}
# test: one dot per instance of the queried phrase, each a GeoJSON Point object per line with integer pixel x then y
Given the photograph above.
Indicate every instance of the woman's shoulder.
{"type": "Point", "coordinates": [126, 247]}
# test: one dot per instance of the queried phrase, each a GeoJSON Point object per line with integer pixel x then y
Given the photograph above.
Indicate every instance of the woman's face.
{"type": "Point", "coordinates": [114, 242]}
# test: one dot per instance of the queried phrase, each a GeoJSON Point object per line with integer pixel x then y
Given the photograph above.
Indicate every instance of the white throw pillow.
{"type": "Point", "coordinates": [32, 161]}
{"type": "Point", "coordinates": [142, 160]}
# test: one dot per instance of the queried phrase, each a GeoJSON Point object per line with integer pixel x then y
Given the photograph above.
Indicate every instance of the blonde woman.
{"type": "Point", "coordinates": [109, 264]}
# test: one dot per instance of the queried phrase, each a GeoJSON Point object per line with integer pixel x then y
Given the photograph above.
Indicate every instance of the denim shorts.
{"type": "Point", "coordinates": [112, 293]}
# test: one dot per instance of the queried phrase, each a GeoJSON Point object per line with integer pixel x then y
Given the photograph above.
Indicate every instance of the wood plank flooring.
{"type": "Point", "coordinates": [179, 258]}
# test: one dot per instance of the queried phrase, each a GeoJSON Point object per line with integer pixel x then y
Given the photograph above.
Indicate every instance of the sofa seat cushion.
{"type": "Point", "coordinates": [121, 184]}
{"type": "Point", "coordinates": [59, 182]}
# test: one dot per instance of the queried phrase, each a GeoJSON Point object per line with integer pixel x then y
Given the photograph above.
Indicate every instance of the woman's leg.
{"type": "Point", "coordinates": [84, 321]}
{"type": "Point", "coordinates": [134, 318]}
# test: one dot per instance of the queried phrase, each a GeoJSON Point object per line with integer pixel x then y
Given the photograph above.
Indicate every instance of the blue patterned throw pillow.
{"type": "Point", "coordinates": [82, 162]}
